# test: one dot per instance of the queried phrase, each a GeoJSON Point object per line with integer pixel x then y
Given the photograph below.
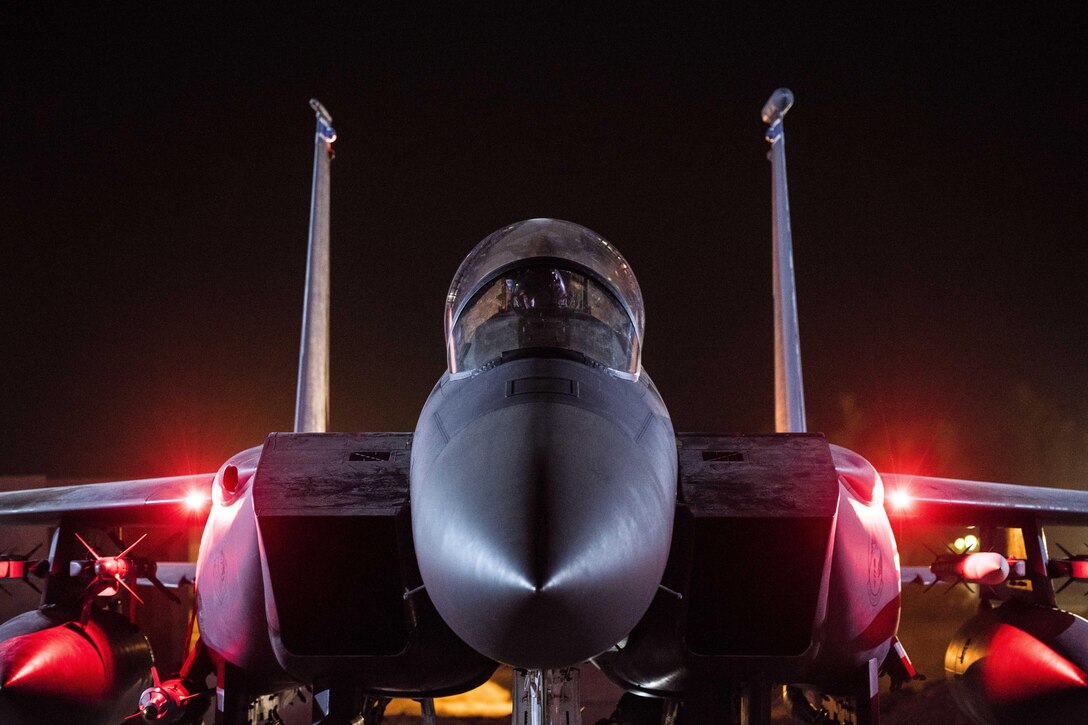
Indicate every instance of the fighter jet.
{"type": "Point", "coordinates": [544, 514]}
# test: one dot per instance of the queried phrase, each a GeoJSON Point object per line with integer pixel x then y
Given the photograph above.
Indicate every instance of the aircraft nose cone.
{"type": "Point", "coordinates": [542, 531]}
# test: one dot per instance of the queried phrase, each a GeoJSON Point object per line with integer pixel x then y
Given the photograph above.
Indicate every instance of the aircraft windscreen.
{"type": "Point", "coordinates": [544, 283]}
{"type": "Point", "coordinates": [542, 307]}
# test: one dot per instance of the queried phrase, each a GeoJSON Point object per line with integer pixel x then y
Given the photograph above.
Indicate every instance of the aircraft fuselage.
{"type": "Point", "coordinates": [543, 492]}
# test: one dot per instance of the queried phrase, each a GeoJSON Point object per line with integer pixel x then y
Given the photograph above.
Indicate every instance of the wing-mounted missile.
{"type": "Point", "coordinates": [1021, 663]}
{"type": "Point", "coordinates": [98, 577]}
{"type": "Point", "coordinates": [972, 567]}
{"type": "Point", "coordinates": [115, 570]}
{"type": "Point", "coordinates": [110, 574]}
{"type": "Point", "coordinates": [170, 701]}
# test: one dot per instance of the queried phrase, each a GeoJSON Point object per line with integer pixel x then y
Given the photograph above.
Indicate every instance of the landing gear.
{"type": "Point", "coordinates": [374, 710]}
{"type": "Point", "coordinates": [427, 713]}
{"type": "Point", "coordinates": [861, 707]}
{"type": "Point", "coordinates": [636, 710]}
{"type": "Point", "coordinates": [547, 697]}
{"type": "Point", "coordinates": [867, 694]}
{"type": "Point", "coordinates": [755, 702]}
{"type": "Point", "coordinates": [232, 697]}
{"type": "Point", "coordinates": [742, 703]}
{"type": "Point", "coordinates": [339, 704]}
{"type": "Point", "coordinates": [804, 711]}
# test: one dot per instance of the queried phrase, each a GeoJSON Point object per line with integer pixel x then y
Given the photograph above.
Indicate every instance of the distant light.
{"type": "Point", "coordinates": [195, 501]}
{"type": "Point", "coordinates": [965, 544]}
{"type": "Point", "coordinates": [899, 499]}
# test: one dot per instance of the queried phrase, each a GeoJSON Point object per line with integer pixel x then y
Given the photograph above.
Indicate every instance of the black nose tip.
{"type": "Point", "coordinates": [542, 531]}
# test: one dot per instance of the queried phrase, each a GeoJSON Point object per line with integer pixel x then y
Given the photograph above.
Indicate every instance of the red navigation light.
{"type": "Point", "coordinates": [1078, 568]}
{"type": "Point", "coordinates": [899, 499]}
{"type": "Point", "coordinates": [195, 500]}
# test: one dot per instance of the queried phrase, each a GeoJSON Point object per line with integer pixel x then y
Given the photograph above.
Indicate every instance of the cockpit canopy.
{"type": "Point", "coordinates": [544, 283]}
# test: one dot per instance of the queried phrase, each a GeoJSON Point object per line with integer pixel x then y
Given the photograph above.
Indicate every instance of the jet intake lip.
{"type": "Point", "coordinates": [542, 531]}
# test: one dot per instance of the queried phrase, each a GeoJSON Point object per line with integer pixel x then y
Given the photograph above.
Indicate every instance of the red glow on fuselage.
{"type": "Point", "coordinates": [26, 669]}
{"type": "Point", "coordinates": [57, 662]}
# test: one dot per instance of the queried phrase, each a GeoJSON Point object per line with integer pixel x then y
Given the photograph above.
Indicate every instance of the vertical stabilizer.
{"type": "Point", "coordinates": [789, 394]}
{"type": "Point", "coordinates": [312, 400]}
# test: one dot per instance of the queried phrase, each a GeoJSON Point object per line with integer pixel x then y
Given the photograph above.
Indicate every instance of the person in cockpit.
{"type": "Point", "coordinates": [543, 307]}
{"type": "Point", "coordinates": [538, 287]}
{"type": "Point", "coordinates": [544, 287]}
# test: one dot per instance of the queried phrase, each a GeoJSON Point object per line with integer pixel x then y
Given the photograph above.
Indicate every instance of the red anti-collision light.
{"type": "Point", "coordinates": [195, 500]}
{"type": "Point", "coordinates": [1078, 569]}
{"type": "Point", "coordinates": [899, 499]}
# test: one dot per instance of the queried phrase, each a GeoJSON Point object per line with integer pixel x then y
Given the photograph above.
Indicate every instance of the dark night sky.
{"type": "Point", "coordinates": [155, 169]}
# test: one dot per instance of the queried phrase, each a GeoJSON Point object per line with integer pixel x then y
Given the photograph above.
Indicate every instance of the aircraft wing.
{"type": "Point", "coordinates": [954, 501]}
{"type": "Point", "coordinates": [147, 502]}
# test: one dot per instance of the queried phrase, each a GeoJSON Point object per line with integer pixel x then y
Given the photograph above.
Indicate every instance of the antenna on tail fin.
{"type": "Point", "coordinates": [312, 400]}
{"type": "Point", "coordinates": [789, 394]}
